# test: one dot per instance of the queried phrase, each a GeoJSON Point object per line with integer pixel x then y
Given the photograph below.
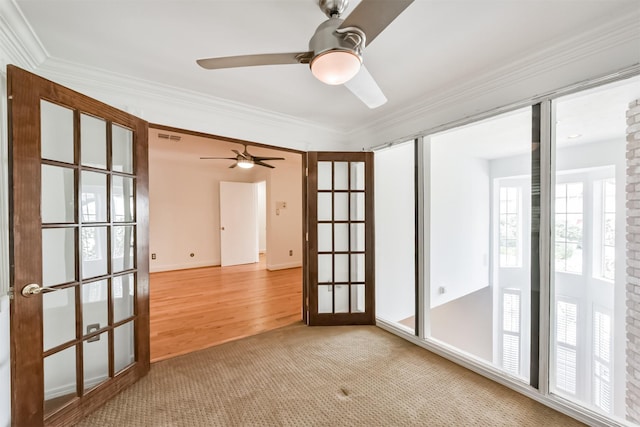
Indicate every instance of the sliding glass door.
{"type": "Point", "coordinates": [526, 228]}
{"type": "Point", "coordinates": [478, 185]}
{"type": "Point", "coordinates": [395, 235]}
{"type": "Point", "coordinates": [595, 298]}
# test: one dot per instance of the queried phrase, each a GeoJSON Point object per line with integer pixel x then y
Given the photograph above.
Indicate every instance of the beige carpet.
{"type": "Point", "coordinates": [319, 376]}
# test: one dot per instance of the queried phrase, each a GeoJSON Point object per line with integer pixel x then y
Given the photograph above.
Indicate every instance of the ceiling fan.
{"type": "Point", "coordinates": [245, 160]}
{"type": "Point", "coordinates": [335, 49]}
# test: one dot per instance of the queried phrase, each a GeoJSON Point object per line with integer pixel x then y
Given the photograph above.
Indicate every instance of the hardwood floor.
{"type": "Point", "coordinates": [195, 309]}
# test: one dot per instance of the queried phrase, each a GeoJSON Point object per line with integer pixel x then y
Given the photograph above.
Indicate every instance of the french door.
{"type": "Point", "coordinates": [78, 251]}
{"type": "Point", "coordinates": [340, 248]}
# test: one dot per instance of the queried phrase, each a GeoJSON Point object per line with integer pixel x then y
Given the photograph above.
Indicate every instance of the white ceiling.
{"type": "Point", "coordinates": [433, 45]}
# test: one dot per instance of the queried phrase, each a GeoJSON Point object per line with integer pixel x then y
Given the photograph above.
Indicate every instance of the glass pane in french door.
{"type": "Point", "coordinates": [478, 179]}
{"type": "Point", "coordinates": [594, 357]}
{"type": "Point", "coordinates": [340, 184]}
{"type": "Point", "coordinates": [88, 226]}
{"type": "Point", "coordinates": [341, 286]}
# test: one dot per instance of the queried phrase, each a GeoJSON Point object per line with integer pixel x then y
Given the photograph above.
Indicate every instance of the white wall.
{"type": "Point", "coordinates": [459, 188]}
{"type": "Point", "coordinates": [184, 205]}
{"type": "Point", "coordinates": [184, 210]}
{"type": "Point", "coordinates": [395, 232]}
{"type": "Point", "coordinates": [284, 226]}
{"type": "Point", "coordinates": [262, 216]}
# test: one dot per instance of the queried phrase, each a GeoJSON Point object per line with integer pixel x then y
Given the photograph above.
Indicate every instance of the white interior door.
{"type": "Point", "coordinates": [238, 223]}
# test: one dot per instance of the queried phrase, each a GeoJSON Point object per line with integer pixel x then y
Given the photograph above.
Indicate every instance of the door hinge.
{"type": "Point", "coordinates": [10, 292]}
{"type": "Point", "coordinates": [307, 236]}
{"type": "Point", "coordinates": [306, 171]}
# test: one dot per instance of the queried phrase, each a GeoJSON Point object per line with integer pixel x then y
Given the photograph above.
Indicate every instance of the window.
{"type": "Point", "coordinates": [569, 227]}
{"type": "Point", "coordinates": [511, 331]}
{"type": "Point", "coordinates": [566, 346]}
{"type": "Point", "coordinates": [510, 227]}
{"type": "Point", "coordinates": [608, 230]}
{"type": "Point", "coordinates": [602, 342]}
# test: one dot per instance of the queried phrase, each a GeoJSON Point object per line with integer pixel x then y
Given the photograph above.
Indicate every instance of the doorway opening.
{"type": "Point", "coordinates": [205, 214]}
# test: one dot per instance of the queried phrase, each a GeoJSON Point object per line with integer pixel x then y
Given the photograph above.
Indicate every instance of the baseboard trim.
{"type": "Point", "coordinates": [284, 266]}
{"type": "Point", "coordinates": [184, 266]}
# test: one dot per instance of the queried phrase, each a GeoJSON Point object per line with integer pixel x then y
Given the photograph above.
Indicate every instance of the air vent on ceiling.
{"type": "Point", "coordinates": [169, 137]}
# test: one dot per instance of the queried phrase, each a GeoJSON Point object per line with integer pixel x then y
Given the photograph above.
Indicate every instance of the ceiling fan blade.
{"type": "Point", "coordinates": [257, 162]}
{"type": "Point", "coordinates": [218, 158]}
{"type": "Point", "coordinates": [259, 159]}
{"type": "Point", "coordinates": [253, 60]}
{"type": "Point", "coordinates": [365, 87]}
{"type": "Point", "coordinates": [373, 16]}
{"type": "Point", "coordinates": [243, 155]}
{"type": "Point", "coordinates": [233, 165]}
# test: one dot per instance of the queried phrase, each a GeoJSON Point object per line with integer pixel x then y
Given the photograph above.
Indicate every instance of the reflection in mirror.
{"type": "Point", "coordinates": [94, 197]}
{"type": "Point", "coordinates": [122, 288]}
{"type": "Point", "coordinates": [357, 175]}
{"type": "Point", "coordinates": [56, 130]}
{"type": "Point", "coordinates": [122, 149]}
{"type": "Point", "coordinates": [324, 176]}
{"type": "Point", "coordinates": [122, 247]}
{"type": "Point", "coordinates": [58, 317]}
{"type": "Point", "coordinates": [357, 298]}
{"type": "Point", "coordinates": [341, 268]}
{"type": "Point", "coordinates": [341, 293]}
{"type": "Point", "coordinates": [341, 210]}
{"type": "Point", "coordinates": [122, 199]}
{"type": "Point", "coordinates": [57, 195]}
{"type": "Point", "coordinates": [59, 379]}
{"type": "Point", "coordinates": [93, 140]}
{"type": "Point", "coordinates": [324, 207]}
{"type": "Point", "coordinates": [324, 238]}
{"type": "Point", "coordinates": [96, 360]}
{"type": "Point", "coordinates": [325, 267]}
{"type": "Point", "coordinates": [124, 350]}
{"type": "Point", "coordinates": [325, 299]}
{"type": "Point", "coordinates": [58, 256]}
{"type": "Point", "coordinates": [341, 232]}
{"type": "Point", "coordinates": [94, 251]}
{"type": "Point", "coordinates": [94, 305]}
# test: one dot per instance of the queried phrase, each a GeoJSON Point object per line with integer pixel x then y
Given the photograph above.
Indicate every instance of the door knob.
{"type": "Point", "coordinates": [35, 289]}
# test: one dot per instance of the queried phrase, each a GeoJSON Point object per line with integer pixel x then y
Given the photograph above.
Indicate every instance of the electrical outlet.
{"type": "Point", "coordinates": [153, 256]}
{"type": "Point", "coordinates": [290, 252]}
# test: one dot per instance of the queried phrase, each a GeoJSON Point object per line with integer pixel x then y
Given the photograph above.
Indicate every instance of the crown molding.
{"type": "Point", "coordinates": [82, 76]}
{"type": "Point", "coordinates": [19, 44]}
{"type": "Point", "coordinates": [537, 62]}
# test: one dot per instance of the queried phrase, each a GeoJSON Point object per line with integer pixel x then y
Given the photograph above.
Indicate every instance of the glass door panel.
{"type": "Point", "coordinates": [90, 168]}
{"type": "Point", "coordinates": [593, 263]}
{"type": "Point", "coordinates": [395, 235]}
{"type": "Point", "coordinates": [338, 242]}
{"type": "Point", "coordinates": [479, 182]}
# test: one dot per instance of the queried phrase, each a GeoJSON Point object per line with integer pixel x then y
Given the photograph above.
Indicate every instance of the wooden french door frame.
{"type": "Point", "coordinates": [313, 316]}
{"type": "Point", "coordinates": [25, 92]}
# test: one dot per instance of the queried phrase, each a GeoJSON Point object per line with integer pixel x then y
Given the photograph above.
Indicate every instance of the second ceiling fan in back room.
{"type": "Point", "coordinates": [335, 49]}
{"type": "Point", "coordinates": [245, 160]}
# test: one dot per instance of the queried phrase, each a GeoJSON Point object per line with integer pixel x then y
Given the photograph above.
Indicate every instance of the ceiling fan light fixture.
{"type": "Point", "coordinates": [336, 67]}
{"type": "Point", "coordinates": [245, 163]}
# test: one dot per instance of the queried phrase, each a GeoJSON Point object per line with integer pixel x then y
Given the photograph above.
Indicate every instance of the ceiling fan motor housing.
{"type": "Point", "coordinates": [333, 8]}
{"type": "Point", "coordinates": [328, 38]}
